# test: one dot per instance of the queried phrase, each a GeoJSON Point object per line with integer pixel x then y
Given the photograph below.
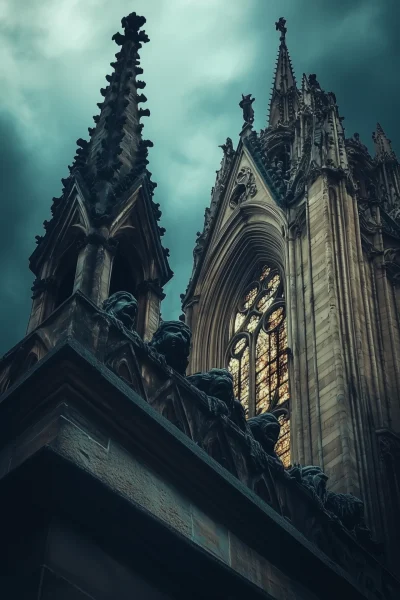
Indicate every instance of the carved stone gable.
{"type": "Point", "coordinates": [245, 187]}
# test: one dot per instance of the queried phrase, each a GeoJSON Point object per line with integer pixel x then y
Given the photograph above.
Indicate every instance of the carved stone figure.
{"type": "Point", "coordinates": [172, 339]}
{"type": "Point", "coordinates": [199, 247]}
{"type": "Point", "coordinates": [227, 148]}
{"type": "Point", "coordinates": [346, 508]}
{"type": "Point", "coordinates": [280, 26]}
{"type": "Point", "coordinates": [218, 383]}
{"type": "Point", "coordinates": [395, 214]}
{"type": "Point", "coordinates": [313, 478]}
{"type": "Point", "coordinates": [266, 428]}
{"type": "Point", "coordinates": [248, 111]}
{"type": "Point", "coordinates": [122, 307]}
{"type": "Point", "coordinates": [313, 82]}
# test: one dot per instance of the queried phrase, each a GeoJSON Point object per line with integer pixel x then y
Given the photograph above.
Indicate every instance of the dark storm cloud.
{"type": "Point", "coordinates": [18, 189]}
{"type": "Point", "coordinates": [202, 57]}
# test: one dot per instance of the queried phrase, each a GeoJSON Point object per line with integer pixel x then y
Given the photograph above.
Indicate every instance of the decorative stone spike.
{"type": "Point", "coordinates": [144, 112]}
{"type": "Point", "coordinates": [140, 84]}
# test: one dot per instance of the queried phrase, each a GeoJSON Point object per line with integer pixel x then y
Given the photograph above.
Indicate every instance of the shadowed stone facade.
{"type": "Point", "coordinates": [124, 472]}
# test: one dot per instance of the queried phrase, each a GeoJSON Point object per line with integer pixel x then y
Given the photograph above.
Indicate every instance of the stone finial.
{"type": "Point", "coordinates": [248, 111]}
{"type": "Point", "coordinates": [280, 26]}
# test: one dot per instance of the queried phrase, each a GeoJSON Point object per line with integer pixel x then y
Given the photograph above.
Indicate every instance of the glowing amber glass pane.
{"type": "Point", "coordinates": [262, 405]}
{"type": "Point", "coordinates": [273, 347]}
{"type": "Point", "coordinates": [262, 343]}
{"type": "Point", "coordinates": [275, 318]}
{"type": "Point", "coordinates": [283, 336]}
{"type": "Point", "coordinates": [252, 324]}
{"type": "Point", "coordinates": [239, 321]}
{"type": "Point", "coordinates": [273, 382]}
{"type": "Point", "coordinates": [282, 447]}
{"type": "Point", "coordinates": [262, 372]}
{"type": "Point", "coordinates": [264, 302]}
{"type": "Point", "coordinates": [274, 284]}
{"type": "Point", "coordinates": [283, 393]}
{"type": "Point", "coordinates": [240, 344]}
{"type": "Point", "coordinates": [244, 379]}
{"type": "Point", "coordinates": [264, 273]}
{"type": "Point", "coordinates": [234, 366]}
{"type": "Point", "coordinates": [250, 297]}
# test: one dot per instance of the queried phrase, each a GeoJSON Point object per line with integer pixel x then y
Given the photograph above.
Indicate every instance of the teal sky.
{"type": "Point", "coordinates": [202, 56]}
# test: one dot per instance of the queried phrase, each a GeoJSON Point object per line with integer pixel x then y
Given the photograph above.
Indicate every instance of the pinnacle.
{"type": "Point", "coordinates": [284, 81]}
{"type": "Point", "coordinates": [115, 155]}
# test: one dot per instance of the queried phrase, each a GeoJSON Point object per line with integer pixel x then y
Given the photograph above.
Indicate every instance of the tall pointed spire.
{"type": "Point", "coordinates": [116, 154]}
{"type": "Point", "coordinates": [383, 146]}
{"type": "Point", "coordinates": [284, 95]}
{"type": "Point", "coordinates": [105, 215]}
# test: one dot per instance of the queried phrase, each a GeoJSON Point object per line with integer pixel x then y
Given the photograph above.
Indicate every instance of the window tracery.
{"type": "Point", "coordinates": [258, 353]}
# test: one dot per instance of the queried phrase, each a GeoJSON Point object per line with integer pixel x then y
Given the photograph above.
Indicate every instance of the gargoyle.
{"type": "Point", "coordinates": [172, 340]}
{"type": "Point", "coordinates": [218, 383]}
{"type": "Point", "coordinates": [122, 308]}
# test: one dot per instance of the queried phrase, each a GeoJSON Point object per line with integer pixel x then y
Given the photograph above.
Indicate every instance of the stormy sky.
{"type": "Point", "coordinates": [202, 56]}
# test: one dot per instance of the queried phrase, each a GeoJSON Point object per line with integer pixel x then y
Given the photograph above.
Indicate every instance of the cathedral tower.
{"type": "Point", "coordinates": [295, 287]}
{"type": "Point", "coordinates": [123, 477]}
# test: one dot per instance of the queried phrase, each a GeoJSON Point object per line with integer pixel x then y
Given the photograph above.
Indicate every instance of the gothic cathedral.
{"type": "Point", "coordinates": [250, 449]}
{"type": "Point", "coordinates": [295, 287]}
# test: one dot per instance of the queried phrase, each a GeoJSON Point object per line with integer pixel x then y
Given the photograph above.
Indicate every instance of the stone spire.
{"type": "Point", "coordinates": [109, 164]}
{"type": "Point", "coordinates": [383, 146]}
{"type": "Point", "coordinates": [104, 235]}
{"type": "Point", "coordinates": [284, 95]}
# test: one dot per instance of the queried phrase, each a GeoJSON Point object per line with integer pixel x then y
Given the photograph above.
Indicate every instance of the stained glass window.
{"type": "Point", "coordinates": [258, 353]}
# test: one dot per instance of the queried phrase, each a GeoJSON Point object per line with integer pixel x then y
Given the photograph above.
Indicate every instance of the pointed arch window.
{"type": "Point", "coordinates": [258, 353]}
